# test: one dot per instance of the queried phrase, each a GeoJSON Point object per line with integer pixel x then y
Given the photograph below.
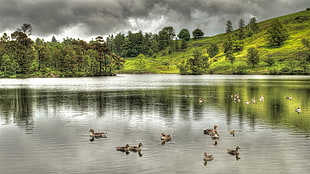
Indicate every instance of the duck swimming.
{"type": "Point", "coordinates": [201, 100]}
{"type": "Point", "coordinates": [136, 148]}
{"type": "Point", "coordinates": [123, 149]}
{"type": "Point", "coordinates": [92, 133]}
{"type": "Point", "coordinates": [232, 132]}
{"type": "Point", "coordinates": [208, 131]}
{"type": "Point", "coordinates": [208, 157]}
{"type": "Point", "coordinates": [214, 135]}
{"type": "Point", "coordinates": [165, 137]}
{"type": "Point", "coordinates": [298, 110]}
{"type": "Point", "coordinates": [233, 152]}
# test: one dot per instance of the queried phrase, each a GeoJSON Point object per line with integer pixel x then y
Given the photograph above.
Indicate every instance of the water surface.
{"type": "Point", "coordinates": [44, 124]}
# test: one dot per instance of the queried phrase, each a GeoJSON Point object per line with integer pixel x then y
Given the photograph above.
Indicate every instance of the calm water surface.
{"type": "Point", "coordinates": [44, 124]}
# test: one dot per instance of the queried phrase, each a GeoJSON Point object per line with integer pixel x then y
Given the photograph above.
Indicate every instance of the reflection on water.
{"type": "Point", "coordinates": [53, 117]}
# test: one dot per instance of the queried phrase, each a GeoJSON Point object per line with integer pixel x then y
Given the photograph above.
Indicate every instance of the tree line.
{"type": "Point", "coordinates": [20, 56]}
{"type": "Point", "coordinates": [133, 44]}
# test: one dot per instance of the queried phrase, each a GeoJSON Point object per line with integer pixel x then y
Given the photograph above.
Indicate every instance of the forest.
{"type": "Point", "coordinates": [22, 57]}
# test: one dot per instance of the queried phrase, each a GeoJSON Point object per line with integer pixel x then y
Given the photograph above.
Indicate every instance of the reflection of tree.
{"type": "Point", "coordinates": [16, 107]}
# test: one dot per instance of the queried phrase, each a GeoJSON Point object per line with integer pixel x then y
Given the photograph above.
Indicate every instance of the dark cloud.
{"type": "Point", "coordinates": [103, 17]}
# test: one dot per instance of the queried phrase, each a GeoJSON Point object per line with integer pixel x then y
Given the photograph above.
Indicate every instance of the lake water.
{"type": "Point", "coordinates": [45, 122]}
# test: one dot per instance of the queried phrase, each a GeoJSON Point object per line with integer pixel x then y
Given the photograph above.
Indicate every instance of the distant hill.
{"type": "Point", "coordinates": [293, 57]}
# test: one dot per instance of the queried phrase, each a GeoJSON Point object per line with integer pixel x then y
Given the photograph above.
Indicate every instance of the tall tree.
{"type": "Point", "coordinates": [229, 27]}
{"type": "Point", "coordinates": [277, 34]}
{"type": "Point", "coordinates": [241, 33]}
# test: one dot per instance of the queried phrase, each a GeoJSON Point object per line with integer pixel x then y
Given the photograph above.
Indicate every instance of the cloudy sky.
{"type": "Point", "coordinates": [86, 19]}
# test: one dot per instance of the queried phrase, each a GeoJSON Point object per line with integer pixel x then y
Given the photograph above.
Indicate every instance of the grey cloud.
{"type": "Point", "coordinates": [103, 17]}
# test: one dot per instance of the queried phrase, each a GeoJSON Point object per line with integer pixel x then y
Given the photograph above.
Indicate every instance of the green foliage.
{"type": "Point", "coordinates": [270, 61]}
{"type": "Point", "coordinates": [230, 56]}
{"type": "Point", "coordinates": [232, 44]}
{"type": "Point", "coordinates": [197, 33]}
{"type": "Point", "coordinates": [183, 44]}
{"type": "Point", "coordinates": [277, 34]}
{"type": "Point", "coordinates": [184, 35]}
{"type": "Point", "coordinates": [305, 42]}
{"type": "Point", "coordinates": [195, 64]}
{"type": "Point", "coordinates": [213, 50]}
{"type": "Point", "coordinates": [253, 26]}
{"type": "Point", "coordinates": [253, 56]}
{"type": "Point", "coordinates": [140, 63]}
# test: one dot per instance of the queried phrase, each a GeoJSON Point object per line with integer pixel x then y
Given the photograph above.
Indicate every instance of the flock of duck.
{"type": "Point", "coordinates": [236, 99]}
{"type": "Point", "coordinates": [213, 133]}
{"type": "Point", "coordinates": [215, 136]}
{"type": "Point", "coordinates": [167, 137]}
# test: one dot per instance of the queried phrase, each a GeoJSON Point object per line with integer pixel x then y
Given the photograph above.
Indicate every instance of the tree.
{"type": "Point", "coordinates": [230, 56]}
{"type": "Point", "coordinates": [241, 33]}
{"type": "Point", "coordinates": [54, 40]}
{"type": "Point", "coordinates": [165, 37]}
{"type": "Point", "coordinates": [241, 23]}
{"type": "Point", "coordinates": [140, 62]}
{"type": "Point", "coordinates": [25, 28]}
{"type": "Point", "coordinates": [229, 27]}
{"type": "Point", "coordinates": [213, 50]}
{"type": "Point", "coordinates": [195, 64]}
{"type": "Point", "coordinates": [183, 44]}
{"type": "Point", "coordinates": [253, 56]}
{"type": "Point", "coordinates": [184, 35]}
{"type": "Point", "coordinates": [228, 43]}
{"type": "Point", "coordinates": [277, 34]}
{"type": "Point", "coordinates": [197, 33]}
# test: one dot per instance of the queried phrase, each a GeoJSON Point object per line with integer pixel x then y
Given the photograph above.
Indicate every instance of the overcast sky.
{"type": "Point", "coordinates": [86, 19]}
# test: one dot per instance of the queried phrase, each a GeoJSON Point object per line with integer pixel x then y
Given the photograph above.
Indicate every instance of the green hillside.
{"type": "Point", "coordinates": [291, 58]}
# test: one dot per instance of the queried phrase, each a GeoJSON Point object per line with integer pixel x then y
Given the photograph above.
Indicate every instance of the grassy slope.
{"type": "Point", "coordinates": [290, 54]}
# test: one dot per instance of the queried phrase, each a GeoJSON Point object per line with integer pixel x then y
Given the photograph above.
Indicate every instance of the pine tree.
{"type": "Point", "coordinates": [229, 27]}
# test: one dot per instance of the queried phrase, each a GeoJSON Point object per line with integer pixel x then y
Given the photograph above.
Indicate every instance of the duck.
{"type": "Point", "coordinates": [233, 152]}
{"type": "Point", "coordinates": [232, 132]}
{"type": "Point", "coordinates": [253, 100]}
{"type": "Point", "coordinates": [214, 135]}
{"type": "Point", "coordinates": [298, 110]}
{"type": "Point", "coordinates": [92, 133]}
{"type": "Point", "coordinates": [123, 148]}
{"type": "Point", "coordinates": [289, 98]}
{"type": "Point", "coordinates": [201, 100]}
{"type": "Point", "coordinates": [261, 99]}
{"type": "Point", "coordinates": [165, 137]}
{"type": "Point", "coordinates": [208, 157]}
{"type": "Point", "coordinates": [136, 148]}
{"type": "Point", "coordinates": [207, 131]}
{"type": "Point", "coordinates": [247, 102]}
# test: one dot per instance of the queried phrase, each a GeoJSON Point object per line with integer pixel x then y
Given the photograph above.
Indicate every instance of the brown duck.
{"type": "Point", "coordinates": [92, 133]}
{"type": "Point", "coordinates": [136, 148]}
{"type": "Point", "coordinates": [208, 131]}
{"type": "Point", "coordinates": [208, 157]}
{"type": "Point", "coordinates": [233, 152]}
{"type": "Point", "coordinates": [123, 149]}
